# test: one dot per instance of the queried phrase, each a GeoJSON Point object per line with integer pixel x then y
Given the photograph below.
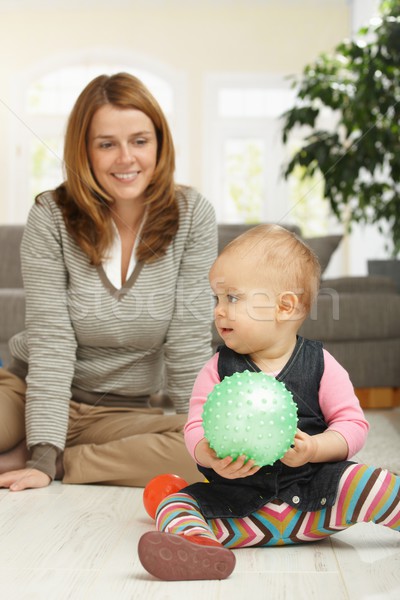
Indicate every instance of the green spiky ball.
{"type": "Point", "coordinates": [250, 413]}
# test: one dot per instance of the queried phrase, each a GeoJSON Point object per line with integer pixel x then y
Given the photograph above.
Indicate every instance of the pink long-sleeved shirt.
{"type": "Point", "coordinates": [339, 404]}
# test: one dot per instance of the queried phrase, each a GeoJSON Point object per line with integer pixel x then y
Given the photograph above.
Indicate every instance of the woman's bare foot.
{"type": "Point", "coordinates": [15, 458]}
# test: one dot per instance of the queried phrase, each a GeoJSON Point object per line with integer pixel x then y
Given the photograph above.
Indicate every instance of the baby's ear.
{"type": "Point", "coordinates": [289, 307]}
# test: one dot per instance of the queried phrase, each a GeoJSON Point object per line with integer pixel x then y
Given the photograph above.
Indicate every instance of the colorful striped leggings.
{"type": "Point", "coordinates": [364, 494]}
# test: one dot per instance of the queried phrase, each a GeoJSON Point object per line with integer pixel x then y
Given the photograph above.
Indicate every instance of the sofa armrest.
{"type": "Point", "coordinates": [10, 264]}
{"type": "Point", "coordinates": [12, 312]}
{"type": "Point", "coordinates": [375, 284]}
{"type": "Point", "coordinates": [343, 317]}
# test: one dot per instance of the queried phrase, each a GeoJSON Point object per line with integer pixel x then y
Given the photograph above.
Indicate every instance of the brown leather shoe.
{"type": "Point", "coordinates": [173, 557]}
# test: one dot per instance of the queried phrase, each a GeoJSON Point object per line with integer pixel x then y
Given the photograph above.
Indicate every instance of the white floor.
{"type": "Point", "coordinates": [79, 543]}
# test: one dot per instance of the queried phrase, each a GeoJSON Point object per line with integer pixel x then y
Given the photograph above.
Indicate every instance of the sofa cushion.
{"type": "Point", "coordinates": [360, 284]}
{"type": "Point", "coordinates": [229, 231]}
{"type": "Point", "coordinates": [12, 312]}
{"type": "Point", "coordinates": [324, 247]}
{"type": "Point", "coordinates": [10, 265]}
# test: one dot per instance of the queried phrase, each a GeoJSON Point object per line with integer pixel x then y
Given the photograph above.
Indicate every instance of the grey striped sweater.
{"type": "Point", "coordinates": [86, 338]}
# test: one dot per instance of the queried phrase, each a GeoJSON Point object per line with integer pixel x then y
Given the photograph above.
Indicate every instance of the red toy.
{"type": "Point", "coordinates": [159, 488]}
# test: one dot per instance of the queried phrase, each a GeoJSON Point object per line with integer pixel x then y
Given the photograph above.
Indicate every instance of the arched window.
{"type": "Point", "coordinates": [45, 99]}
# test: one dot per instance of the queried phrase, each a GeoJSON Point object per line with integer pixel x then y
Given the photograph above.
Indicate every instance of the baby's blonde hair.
{"type": "Point", "coordinates": [289, 264]}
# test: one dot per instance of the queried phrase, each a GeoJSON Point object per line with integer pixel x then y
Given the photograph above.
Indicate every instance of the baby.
{"type": "Point", "coordinates": [264, 283]}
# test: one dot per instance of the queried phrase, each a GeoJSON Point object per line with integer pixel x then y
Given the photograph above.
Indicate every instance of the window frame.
{"type": "Point", "coordinates": [218, 129]}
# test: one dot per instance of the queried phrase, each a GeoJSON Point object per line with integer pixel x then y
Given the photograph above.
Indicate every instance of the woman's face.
{"type": "Point", "coordinates": [122, 148]}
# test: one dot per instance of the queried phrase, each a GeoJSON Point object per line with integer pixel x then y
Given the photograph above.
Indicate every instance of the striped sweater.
{"type": "Point", "coordinates": [85, 338]}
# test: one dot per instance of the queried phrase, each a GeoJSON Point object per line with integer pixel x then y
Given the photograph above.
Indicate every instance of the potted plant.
{"type": "Point", "coordinates": [358, 155]}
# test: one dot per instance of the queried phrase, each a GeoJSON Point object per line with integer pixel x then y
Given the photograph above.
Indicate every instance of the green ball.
{"type": "Point", "coordinates": [252, 414]}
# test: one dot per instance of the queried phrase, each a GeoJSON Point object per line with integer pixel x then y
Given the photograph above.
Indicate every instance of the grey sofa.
{"type": "Point", "coordinates": [357, 318]}
{"type": "Point", "coordinates": [12, 297]}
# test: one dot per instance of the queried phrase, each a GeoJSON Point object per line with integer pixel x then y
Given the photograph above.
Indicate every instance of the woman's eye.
{"type": "Point", "coordinates": [105, 145]}
{"type": "Point", "coordinates": [140, 142]}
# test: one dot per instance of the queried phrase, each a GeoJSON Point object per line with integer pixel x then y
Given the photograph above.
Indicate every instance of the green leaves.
{"type": "Point", "coordinates": [359, 156]}
{"type": "Point", "coordinates": [302, 116]}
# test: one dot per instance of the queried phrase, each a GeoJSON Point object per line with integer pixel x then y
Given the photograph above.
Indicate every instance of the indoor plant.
{"type": "Point", "coordinates": [358, 155]}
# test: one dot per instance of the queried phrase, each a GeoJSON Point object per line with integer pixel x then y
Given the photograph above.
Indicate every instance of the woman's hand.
{"type": "Point", "coordinates": [23, 479]}
{"type": "Point", "coordinates": [225, 467]}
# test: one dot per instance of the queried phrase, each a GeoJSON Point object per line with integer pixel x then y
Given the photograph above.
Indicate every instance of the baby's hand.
{"type": "Point", "coordinates": [304, 449]}
{"type": "Point", "coordinates": [234, 469]}
{"type": "Point", "coordinates": [225, 467]}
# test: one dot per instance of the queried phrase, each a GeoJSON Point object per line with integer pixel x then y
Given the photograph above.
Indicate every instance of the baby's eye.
{"type": "Point", "coordinates": [232, 299]}
{"type": "Point", "coordinates": [215, 299]}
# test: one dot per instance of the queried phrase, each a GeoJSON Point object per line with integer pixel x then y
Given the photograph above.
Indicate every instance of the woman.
{"type": "Point", "coordinates": [115, 264]}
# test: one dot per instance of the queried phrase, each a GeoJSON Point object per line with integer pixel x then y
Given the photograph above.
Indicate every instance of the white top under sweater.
{"type": "Point", "coordinates": [83, 333]}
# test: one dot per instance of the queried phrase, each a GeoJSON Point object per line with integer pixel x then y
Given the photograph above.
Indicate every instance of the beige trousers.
{"type": "Point", "coordinates": [115, 446]}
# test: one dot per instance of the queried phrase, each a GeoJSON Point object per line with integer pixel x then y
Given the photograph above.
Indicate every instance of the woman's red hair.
{"type": "Point", "coordinates": [85, 205]}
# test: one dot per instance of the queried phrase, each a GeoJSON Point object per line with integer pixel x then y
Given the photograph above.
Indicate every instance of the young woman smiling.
{"type": "Point", "coordinates": [115, 264]}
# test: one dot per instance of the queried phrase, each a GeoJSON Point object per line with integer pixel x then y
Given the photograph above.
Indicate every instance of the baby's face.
{"type": "Point", "coordinates": [245, 303]}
